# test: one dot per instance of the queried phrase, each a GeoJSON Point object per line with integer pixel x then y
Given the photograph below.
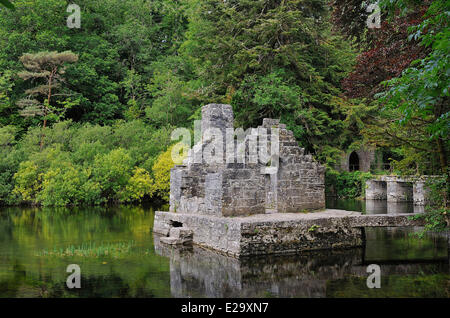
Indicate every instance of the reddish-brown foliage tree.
{"type": "Point", "coordinates": [389, 54]}
{"type": "Point", "coordinates": [387, 51]}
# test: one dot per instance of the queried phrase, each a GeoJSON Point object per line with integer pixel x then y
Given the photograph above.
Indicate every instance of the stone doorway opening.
{"type": "Point", "coordinates": [271, 190]}
{"type": "Point", "coordinates": [353, 162]}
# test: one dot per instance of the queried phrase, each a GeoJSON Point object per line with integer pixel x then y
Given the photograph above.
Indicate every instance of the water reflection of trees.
{"type": "Point", "coordinates": [23, 232]}
{"type": "Point", "coordinates": [401, 244]}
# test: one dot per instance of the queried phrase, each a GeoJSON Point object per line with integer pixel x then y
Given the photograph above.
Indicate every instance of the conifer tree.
{"type": "Point", "coordinates": [271, 58]}
{"type": "Point", "coordinates": [46, 68]}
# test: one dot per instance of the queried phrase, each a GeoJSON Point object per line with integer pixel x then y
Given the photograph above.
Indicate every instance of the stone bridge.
{"type": "Point", "coordinates": [398, 189]}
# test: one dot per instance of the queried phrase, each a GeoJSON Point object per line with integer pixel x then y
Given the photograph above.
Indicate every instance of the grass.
{"type": "Point", "coordinates": [91, 249]}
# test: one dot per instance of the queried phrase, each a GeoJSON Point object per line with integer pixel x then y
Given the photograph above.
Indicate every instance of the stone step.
{"type": "Point", "coordinates": [178, 236]}
{"type": "Point", "coordinates": [182, 233]}
{"type": "Point", "coordinates": [170, 240]}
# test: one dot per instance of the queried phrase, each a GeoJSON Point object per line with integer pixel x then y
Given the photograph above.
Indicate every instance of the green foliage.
{"type": "Point", "coordinates": [7, 136]}
{"type": "Point", "coordinates": [436, 220]}
{"type": "Point", "coordinates": [7, 4]}
{"type": "Point", "coordinates": [65, 186]}
{"type": "Point", "coordinates": [7, 108]}
{"type": "Point", "coordinates": [143, 68]}
{"type": "Point", "coordinates": [91, 249]}
{"type": "Point", "coordinates": [81, 164]}
{"type": "Point", "coordinates": [343, 184]}
{"type": "Point", "coordinates": [269, 96]}
{"type": "Point", "coordinates": [438, 213]}
{"type": "Point", "coordinates": [313, 228]}
{"type": "Point", "coordinates": [271, 59]}
{"type": "Point", "coordinates": [47, 69]}
{"type": "Point", "coordinates": [27, 181]}
{"type": "Point", "coordinates": [161, 172]}
{"type": "Point", "coordinates": [112, 172]}
{"type": "Point", "coordinates": [173, 90]}
{"type": "Point", "coordinates": [420, 96]}
{"type": "Point", "coordinates": [117, 43]}
{"type": "Point", "coordinates": [139, 186]}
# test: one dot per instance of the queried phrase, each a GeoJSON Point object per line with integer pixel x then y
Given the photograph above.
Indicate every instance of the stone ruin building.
{"type": "Point", "coordinates": [221, 194]}
{"type": "Point", "coordinates": [263, 172]}
{"type": "Point", "coordinates": [363, 159]}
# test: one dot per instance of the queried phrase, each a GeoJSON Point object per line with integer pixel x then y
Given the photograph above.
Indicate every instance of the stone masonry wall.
{"type": "Point", "coordinates": [288, 182]}
{"type": "Point", "coordinates": [301, 180]}
{"type": "Point", "coordinates": [292, 237]}
{"type": "Point", "coordinates": [367, 157]}
{"type": "Point", "coordinates": [268, 234]}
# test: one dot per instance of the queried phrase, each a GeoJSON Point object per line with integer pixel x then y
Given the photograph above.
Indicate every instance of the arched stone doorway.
{"type": "Point", "coordinates": [353, 162]}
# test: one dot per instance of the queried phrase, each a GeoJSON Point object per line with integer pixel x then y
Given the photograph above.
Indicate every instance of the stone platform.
{"type": "Point", "coordinates": [278, 233]}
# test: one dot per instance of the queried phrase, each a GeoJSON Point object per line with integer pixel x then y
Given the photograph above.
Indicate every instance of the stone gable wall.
{"type": "Point", "coordinates": [293, 184]}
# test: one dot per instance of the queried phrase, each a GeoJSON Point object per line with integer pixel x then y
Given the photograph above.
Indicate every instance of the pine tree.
{"type": "Point", "coordinates": [47, 68]}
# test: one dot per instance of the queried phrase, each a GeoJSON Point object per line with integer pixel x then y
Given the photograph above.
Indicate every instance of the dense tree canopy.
{"type": "Point", "coordinates": [387, 55]}
{"type": "Point", "coordinates": [136, 69]}
{"type": "Point", "coordinates": [402, 72]}
{"type": "Point", "coordinates": [272, 59]}
{"type": "Point", "coordinates": [117, 45]}
{"type": "Point", "coordinates": [412, 101]}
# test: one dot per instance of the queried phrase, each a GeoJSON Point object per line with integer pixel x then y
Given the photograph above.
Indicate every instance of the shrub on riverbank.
{"type": "Point", "coordinates": [346, 185]}
{"type": "Point", "coordinates": [84, 164]}
{"type": "Point", "coordinates": [438, 211]}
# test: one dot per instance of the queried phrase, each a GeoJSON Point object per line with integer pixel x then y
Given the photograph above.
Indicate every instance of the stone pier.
{"type": "Point", "coordinates": [398, 189]}
{"type": "Point", "coordinates": [376, 190]}
{"type": "Point", "coordinates": [279, 233]}
{"type": "Point", "coordinates": [419, 193]}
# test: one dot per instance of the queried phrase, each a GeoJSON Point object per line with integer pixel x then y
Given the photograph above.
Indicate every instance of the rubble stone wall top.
{"type": "Point", "coordinates": [275, 176]}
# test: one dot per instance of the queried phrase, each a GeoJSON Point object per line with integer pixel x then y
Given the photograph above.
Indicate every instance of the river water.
{"type": "Point", "coordinates": [119, 256]}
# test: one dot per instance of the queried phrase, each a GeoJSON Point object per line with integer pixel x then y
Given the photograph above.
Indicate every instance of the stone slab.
{"type": "Point", "coordinates": [181, 233]}
{"type": "Point", "coordinates": [279, 233]}
{"type": "Point", "coordinates": [170, 240]}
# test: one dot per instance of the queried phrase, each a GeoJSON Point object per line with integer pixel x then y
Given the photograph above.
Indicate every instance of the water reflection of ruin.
{"type": "Point", "coordinates": [198, 272]}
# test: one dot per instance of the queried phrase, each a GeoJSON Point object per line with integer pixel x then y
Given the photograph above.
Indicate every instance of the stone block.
{"type": "Point", "coordinates": [181, 233]}
{"type": "Point", "coordinates": [399, 191]}
{"type": "Point", "coordinates": [170, 240]}
{"type": "Point", "coordinates": [376, 190]}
